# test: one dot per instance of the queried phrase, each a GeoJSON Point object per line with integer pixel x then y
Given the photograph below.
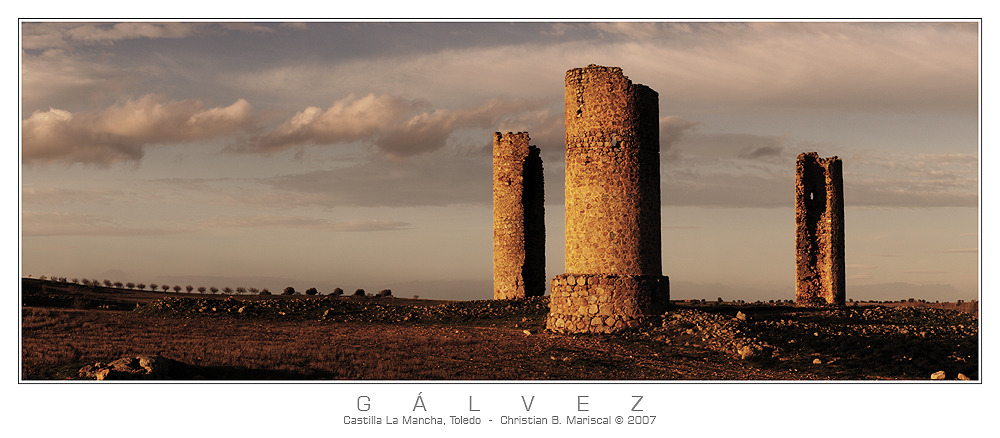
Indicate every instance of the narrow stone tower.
{"type": "Point", "coordinates": [819, 230]}
{"type": "Point", "coordinates": [613, 261]}
{"type": "Point", "coordinates": [518, 218]}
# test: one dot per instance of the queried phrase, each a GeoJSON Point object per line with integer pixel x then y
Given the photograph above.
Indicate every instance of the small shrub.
{"type": "Point", "coordinates": [264, 291]}
{"type": "Point", "coordinates": [359, 293]}
{"type": "Point", "coordinates": [311, 291]}
{"type": "Point", "coordinates": [385, 293]}
{"type": "Point", "coordinates": [201, 289]}
{"type": "Point", "coordinates": [289, 291]}
{"type": "Point", "coordinates": [337, 292]}
{"type": "Point", "coordinates": [189, 288]}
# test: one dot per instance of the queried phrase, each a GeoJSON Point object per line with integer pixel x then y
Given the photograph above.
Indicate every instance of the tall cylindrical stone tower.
{"type": "Point", "coordinates": [819, 230]}
{"type": "Point", "coordinates": [613, 261]}
{"type": "Point", "coordinates": [518, 218]}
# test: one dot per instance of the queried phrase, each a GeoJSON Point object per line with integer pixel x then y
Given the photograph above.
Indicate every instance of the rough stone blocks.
{"type": "Point", "coordinates": [612, 204]}
{"type": "Point", "coordinates": [518, 218]}
{"type": "Point", "coordinates": [604, 303]}
{"type": "Point", "coordinates": [819, 230]}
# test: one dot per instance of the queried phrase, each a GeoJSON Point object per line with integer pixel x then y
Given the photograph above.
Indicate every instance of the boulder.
{"type": "Point", "coordinates": [938, 375]}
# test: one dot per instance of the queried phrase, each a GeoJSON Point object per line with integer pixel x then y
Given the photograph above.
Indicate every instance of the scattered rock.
{"type": "Point", "coordinates": [746, 352]}
{"type": "Point", "coordinates": [938, 375]}
{"type": "Point", "coordinates": [962, 377]}
{"type": "Point", "coordinates": [817, 361]}
{"type": "Point", "coordinates": [527, 332]}
{"type": "Point", "coordinates": [139, 368]}
{"type": "Point", "coordinates": [741, 316]}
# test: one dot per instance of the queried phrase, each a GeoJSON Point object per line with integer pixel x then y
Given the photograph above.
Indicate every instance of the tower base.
{"type": "Point", "coordinates": [604, 303]}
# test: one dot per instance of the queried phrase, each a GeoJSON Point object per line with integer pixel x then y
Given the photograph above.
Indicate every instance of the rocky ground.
{"type": "Point", "coordinates": [705, 342]}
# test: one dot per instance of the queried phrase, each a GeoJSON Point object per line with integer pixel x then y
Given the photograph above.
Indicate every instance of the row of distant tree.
{"type": "Point", "coordinates": [202, 289]}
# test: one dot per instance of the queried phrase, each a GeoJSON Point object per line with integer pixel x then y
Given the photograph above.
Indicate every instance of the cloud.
{"type": "Point", "coordinates": [48, 35]}
{"type": "Point", "coordinates": [119, 133]}
{"type": "Point", "coordinates": [896, 179]}
{"type": "Point", "coordinates": [56, 76]}
{"type": "Point", "coordinates": [437, 179]}
{"type": "Point", "coordinates": [348, 120]}
{"type": "Point", "coordinates": [398, 127]}
{"type": "Point", "coordinates": [429, 131]}
{"type": "Point", "coordinates": [36, 36]}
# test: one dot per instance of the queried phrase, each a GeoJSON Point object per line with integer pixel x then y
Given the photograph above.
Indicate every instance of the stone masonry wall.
{"type": "Point", "coordinates": [612, 204]}
{"type": "Point", "coordinates": [819, 230]}
{"type": "Point", "coordinates": [518, 218]}
{"type": "Point", "coordinates": [603, 303]}
{"type": "Point", "coordinates": [612, 174]}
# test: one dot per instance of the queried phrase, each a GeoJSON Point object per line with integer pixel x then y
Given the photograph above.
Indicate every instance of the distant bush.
{"type": "Point", "coordinates": [337, 292]}
{"type": "Point", "coordinates": [359, 293]}
{"type": "Point", "coordinates": [289, 291]}
{"type": "Point", "coordinates": [141, 286]}
{"type": "Point", "coordinates": [385, 293]}
{"type": "Point", "coordinates": [311, 291]}
{"type": "Point", "coordinates": [227, 290]}
{"type": "Point", "coordinates": [165, 287]}
{"type": "Point", "coordinates": [201, 289]}
{"type": "Point", "coordinates": [264, 291]}
{"type": "Point", "coordinates": [177, 288]}
{"type": "Point", "coordinates": [213, 289]}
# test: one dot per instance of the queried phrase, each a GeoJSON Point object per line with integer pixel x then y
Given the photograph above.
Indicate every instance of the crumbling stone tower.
{"type": "Point", "coordinates": [819, 230]}
{"type": "Point", "coordinates": [613, 261]}
{"type": "Point", "coordinates": [518, 218]}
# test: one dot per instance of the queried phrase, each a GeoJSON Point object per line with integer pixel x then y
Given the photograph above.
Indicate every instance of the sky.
{"type": "Point", "coordinates": [358, 154]}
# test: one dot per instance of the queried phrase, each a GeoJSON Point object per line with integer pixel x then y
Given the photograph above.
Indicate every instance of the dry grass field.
{"type": "Point", "coordinates": [65, 327]}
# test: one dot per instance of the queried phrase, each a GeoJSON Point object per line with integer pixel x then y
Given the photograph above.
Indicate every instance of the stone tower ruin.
{"type": "Point", "coordinates": [613, 261]}
{"type": "Point", "coordinates": [518, 218]}
{"type": "Point", "coordinates": [819, 230]}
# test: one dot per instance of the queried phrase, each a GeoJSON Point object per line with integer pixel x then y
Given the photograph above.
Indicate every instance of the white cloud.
{"type": "Point", "coordinates": [119, 133]}
{"type": "Point", "coordinates": [398, 127]}
{"type": "Point", "coordinates": [348, 120]}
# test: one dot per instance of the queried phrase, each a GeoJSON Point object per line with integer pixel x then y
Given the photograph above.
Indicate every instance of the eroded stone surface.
{"type": "Point", "coordinates": [613, 262]}
{"type": "Point", "coordinates": [518, 218]}
{"type": "Point", "coordinates": [819, 230]}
